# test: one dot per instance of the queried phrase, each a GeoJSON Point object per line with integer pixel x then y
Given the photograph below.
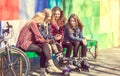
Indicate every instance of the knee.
{"type": "Point", "coordinates": [77, 43]}
{"type": "Point", "coordinates": [69, 45]}
{"type": "Point", "coordinates": [46, 45]}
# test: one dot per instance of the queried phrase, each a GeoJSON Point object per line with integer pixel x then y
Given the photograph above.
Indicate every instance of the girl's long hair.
{"type": "Point", "coordinates": [62, 19]}
{"type": "Point", "coordinates": [38, 17]}
{"type": "Point", "coordinates": [77, 20]}
{"type": "Point", "coordinates": [47, 12]}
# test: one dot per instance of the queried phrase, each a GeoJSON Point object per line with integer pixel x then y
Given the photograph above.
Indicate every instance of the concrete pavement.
{"type": "Point", "coordinates": [108, 64]}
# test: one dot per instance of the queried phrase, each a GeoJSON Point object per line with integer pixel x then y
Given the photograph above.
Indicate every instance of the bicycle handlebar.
{"type": "Point", "coordinates": [8, 27]}
{"type": "Point", "coordinates": [5, 33]}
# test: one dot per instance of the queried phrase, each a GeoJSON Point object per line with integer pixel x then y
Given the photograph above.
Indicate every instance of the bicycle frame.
{"type": "Point", "coordinates": [14, 55]}
{"type": "Point", "coordinates": [6, 32]}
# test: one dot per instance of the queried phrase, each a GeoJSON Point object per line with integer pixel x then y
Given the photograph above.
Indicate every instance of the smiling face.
{"type": "Point", "coordinates": [57, 14]}
{"type": "Point", "coordinates": [72, 22]}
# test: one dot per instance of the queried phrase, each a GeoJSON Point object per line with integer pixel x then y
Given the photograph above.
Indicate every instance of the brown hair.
{"type": "Point", "coordinates": [62, 18]}
{"type": "Point", "coordinates": [78, 23]}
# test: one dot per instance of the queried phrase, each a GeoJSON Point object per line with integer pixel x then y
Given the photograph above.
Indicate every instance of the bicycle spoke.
{"type": "Point", "coordinates": [6, 62]}
{"type": "Point", "coordinates": [10, 72]}
{"type": "Point", "coordinates": [6, 72]}
{"type": "Point", "coordinates": [13, 71]}
{"type": "Point", "coordinates": [16, 59]}
{"type": "Point", "coordinates": [5, 58]}
{"type": "Point", "coordinates": [18, 65]}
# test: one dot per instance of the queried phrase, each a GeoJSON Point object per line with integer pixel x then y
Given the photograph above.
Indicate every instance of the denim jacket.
{"type": "Point", "coordinates": [77, 35]}
{"type": "Point", "coordinates": [43, 31]}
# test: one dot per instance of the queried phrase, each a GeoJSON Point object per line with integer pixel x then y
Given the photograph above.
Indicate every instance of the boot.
{"type": "Point", "coordinates": [86, 62]}
{"type": "Point", "coordinates": [77, 62]}
{"type": "Point", "coordinates": [52, 68]}
{"type": "Point", "coordinates": [59, 56]}
{"type": "Point", "coordinates": [43, 72]}
{"type": "Point", "coordinates": [71, 66]}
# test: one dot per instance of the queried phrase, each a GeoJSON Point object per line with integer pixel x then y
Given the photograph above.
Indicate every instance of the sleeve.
{"type": "Point", "coordinates": [81, 35]}
{"type": "Point", "coordinates": [49, 32]}
{"type": "Point", "coordinates": [55, 26]}
{"type": "Point", "coordinates": [44, 34]}
{"type": "Point", "coordinates": [36, 33]}
{"type": "Point", "coordinates": [42, 31]}
{"type": "Point", "coordinates": [71, 36]}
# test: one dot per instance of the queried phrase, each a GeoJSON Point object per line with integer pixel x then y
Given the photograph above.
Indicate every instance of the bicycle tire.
{"type": "Point", "coordinates": [20, 64]}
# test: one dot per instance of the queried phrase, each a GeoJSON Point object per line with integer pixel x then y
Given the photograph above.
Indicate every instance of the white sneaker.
{"type": "Point", "coordinates": [72, 66]}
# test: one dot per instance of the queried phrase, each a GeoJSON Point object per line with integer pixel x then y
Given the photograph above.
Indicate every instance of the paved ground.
{"type": "Point", "coordinates": [108, 64]}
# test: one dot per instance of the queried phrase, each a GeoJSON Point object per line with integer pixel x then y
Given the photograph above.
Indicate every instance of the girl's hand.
{"type": "Point", "coordinates": [58, 37]}
{"type": "Point", "coordinates": [84, 41]}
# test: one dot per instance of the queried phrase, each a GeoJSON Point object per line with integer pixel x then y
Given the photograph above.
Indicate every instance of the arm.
{"type": "Point", "coordinates": [71, 36]}
{"type": "Point", "coordinates": [44, 34]}
{"type": "Point", "coordinates": [55, 26]}
{"type": "Point", "coordinates": [36, 32]}
{"type": "Point", "coordinates": [81, 35]}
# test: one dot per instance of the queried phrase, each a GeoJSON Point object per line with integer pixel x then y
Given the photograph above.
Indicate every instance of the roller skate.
{"type": "Point", "coordinates": [82, 64]}
{"type": "Point", "coordinates": [85, 65]}
{"type": "Point", "coordinates": [66, 70]}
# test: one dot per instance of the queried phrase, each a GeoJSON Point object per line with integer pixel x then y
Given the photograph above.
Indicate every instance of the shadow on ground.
{"type": "Point", "coordinates": [108, 64]}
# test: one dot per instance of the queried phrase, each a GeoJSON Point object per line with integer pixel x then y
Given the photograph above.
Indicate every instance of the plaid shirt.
{"type": "Point", "coordinates": [29, 34]}
{"type": "Point", "coordinates": [56, 29]}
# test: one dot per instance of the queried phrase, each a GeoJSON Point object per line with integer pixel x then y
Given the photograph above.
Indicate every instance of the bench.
{"type": "Point", "coordinates": [90, 44]}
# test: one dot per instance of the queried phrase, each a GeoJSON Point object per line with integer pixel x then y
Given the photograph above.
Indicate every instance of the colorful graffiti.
{"type": "Point", "coordinates": [101, 18]}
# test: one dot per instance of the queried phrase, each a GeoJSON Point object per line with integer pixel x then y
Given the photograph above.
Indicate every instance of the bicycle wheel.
{"type": "Point", "coordinates": [19, 64]}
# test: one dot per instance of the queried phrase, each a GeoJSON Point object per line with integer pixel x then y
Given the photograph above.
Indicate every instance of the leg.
{"type": "Point", "coordinates": [44, 51]}
{"type": "Point", "coordinates": [84, 63]}
{"type": "Point", "coordinates": [76, 45]}
{"type": "Point", "coordinates": [54, 48]}
{"type": "Point", "coordinates": [83, 50]}
{"type": "Point", "coordinates": [42, 55]}
{"type": "Point", "coordinates": [58, 54]}
{"type": "Point", "coordinates": [42, 65]}
{"type": "Point", "coordinates": [51, 67]}
{"type": "Point", "coordinates": [69, 47]}
{"type": "Point", "coordinates": [59, 46]}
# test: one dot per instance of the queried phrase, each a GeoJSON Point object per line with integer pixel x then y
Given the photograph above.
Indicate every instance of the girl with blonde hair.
{"type": "Point", "coordinates": [45, 30]}
{"type": "Point", "coordinates": [30, 39]}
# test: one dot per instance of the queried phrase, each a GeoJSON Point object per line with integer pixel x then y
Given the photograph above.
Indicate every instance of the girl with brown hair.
{"type": "Point", "coordinates": [73, 38]}
{"type": "Point", "coordinates": [57, 29]}
{"type": "Point", "coordinates": [58, 24]}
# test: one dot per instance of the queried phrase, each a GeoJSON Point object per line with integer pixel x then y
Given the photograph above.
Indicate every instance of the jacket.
{"type": "Point", "coordinates": [76, 35]}
{"type": "Point", "coordinates": [29, 34]}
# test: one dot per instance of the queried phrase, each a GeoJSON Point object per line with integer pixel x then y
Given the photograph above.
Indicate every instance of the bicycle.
{"type": "Point", "coordinates": [13, 61]}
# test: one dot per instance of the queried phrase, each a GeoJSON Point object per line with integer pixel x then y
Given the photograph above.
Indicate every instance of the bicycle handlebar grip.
{"type": "Point", "coordinates": [9, 26]}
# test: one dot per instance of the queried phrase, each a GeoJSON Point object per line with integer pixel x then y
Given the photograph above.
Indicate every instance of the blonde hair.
{"type": "Point", "coordinates": [39, 17]}
{"type": "Point", "coordinates": [47, 11]}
